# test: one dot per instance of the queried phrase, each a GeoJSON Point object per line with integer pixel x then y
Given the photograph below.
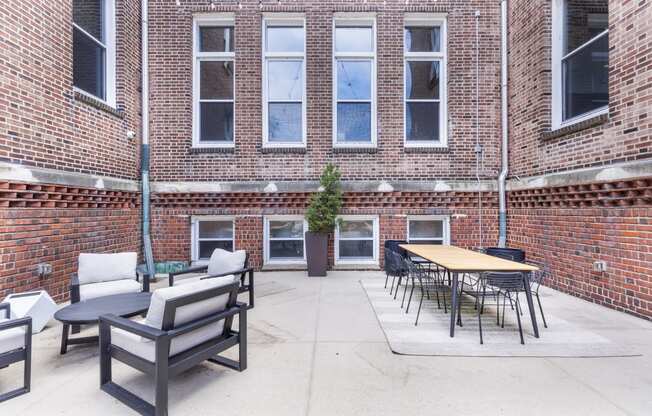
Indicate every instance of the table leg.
{"type": "Point", "coordinates": [454, 301]}
{"type": "Point", "coordinates": [530, 303]}
{"type": "Point", "coordinates": [64, 339]}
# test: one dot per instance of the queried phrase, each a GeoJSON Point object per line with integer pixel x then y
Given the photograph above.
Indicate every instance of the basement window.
{"type": "Point", "coordinates": [428, 230]}
{"type": "Point", "coordinates": [213, 81]}
{"type": "Point", "coordinates": [93, 39]}
{"type": "Point", "coordinates": [580, 60]}
{"type": "Point", "coordinates": [210, 233]}
{"type": "Point", "coordinates": [284, 240]}
{"type": "Point", "coordinates": [356, 240]}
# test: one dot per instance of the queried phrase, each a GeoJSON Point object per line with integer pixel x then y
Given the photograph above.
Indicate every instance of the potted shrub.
{"type": "Point", "coordinates": [322, 216]}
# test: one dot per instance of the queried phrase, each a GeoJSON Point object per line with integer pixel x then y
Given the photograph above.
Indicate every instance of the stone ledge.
{"type": "Point", "coordinates": [426, 149]}
{"type": "Point", "coordinates": [201, 150]}
{"type": "Point", "coordinates": [574, 128]}
{"type": "Point", "coordinates": [367, 150]}
{"type": "Point", "coordinates": [283, 150]}
{"type": "Point", "coordinates": [86, 99]}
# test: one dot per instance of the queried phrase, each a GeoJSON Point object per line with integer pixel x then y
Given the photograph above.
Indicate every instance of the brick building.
{"type": "Point", "coordinates": [250, 100]}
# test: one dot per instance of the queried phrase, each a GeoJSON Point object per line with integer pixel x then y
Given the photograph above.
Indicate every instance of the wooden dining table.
{"type": "Point", "coordinates": [458, 260]}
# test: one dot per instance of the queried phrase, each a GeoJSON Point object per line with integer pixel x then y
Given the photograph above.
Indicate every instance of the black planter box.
{"type": "Point", "coordinates": [317, 253]}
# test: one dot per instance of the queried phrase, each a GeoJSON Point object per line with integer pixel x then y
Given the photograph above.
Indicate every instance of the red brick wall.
{"type": "Point", "coordinates": [171, 60]}
{"type": "Point", "coordinates": [57, 236]}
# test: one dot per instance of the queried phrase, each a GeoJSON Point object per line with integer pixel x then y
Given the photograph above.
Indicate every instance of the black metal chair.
{"type": "Point", "coordinates": [246, 277]}
{"type": "Point", "coordinates": [16, 346]}
{"type": "Point", "coordinates": [392, 267]}
{"type": "Point", "coordinates": [427, 282]}
{"type": "Point", "coordinates": [186, 325]}
{"type": "Point", "coordinates": [507, 285]}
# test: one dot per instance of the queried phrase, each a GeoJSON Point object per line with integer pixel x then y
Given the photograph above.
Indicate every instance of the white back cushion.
{"type": "Point", "coordinates": [223, 261]}
{"type": "Point", "coordinates": [193, 311]}
{"type": "Point", "coordinates": [94, 268]}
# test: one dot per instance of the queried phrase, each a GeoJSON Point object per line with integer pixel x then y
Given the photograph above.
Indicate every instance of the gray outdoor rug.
{"type": "Point", "coordinates": [586, 336]}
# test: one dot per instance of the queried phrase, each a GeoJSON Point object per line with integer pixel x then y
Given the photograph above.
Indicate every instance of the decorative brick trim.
{"type": "Point", "coordinates": [426, 149]}
{"type": "Point", "coordinates": [574, 128]}
{"type": "Point", "coordinates": [299, 150]}
{"type": "Point", "coordinates": [214, 7]}
{"type": "Point", "coordinates": [29, 195]}
{"type": "Point", "coordinates": [86, 99]}
{"type": "Point", "coordinates": [426, 9]}
{"type": "Point", "coordinates": [637, 192]}
{"type": "Point", "coordinates": [299, 200]}
{"type": "Point", "coordinates": [368, 150]}
{"type": "Point", "coordinates": [338, 8]}
{"type": "Point", "coordinates": [201, 150]}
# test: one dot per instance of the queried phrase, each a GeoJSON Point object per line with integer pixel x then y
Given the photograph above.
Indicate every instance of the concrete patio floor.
{"type": "Point", "coordinates": [316, 348]}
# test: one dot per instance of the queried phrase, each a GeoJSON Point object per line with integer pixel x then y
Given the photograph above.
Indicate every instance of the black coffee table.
{"type": "Point", "coordinates": [89, 311]}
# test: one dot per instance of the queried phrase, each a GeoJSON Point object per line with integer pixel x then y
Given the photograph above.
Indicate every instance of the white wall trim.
{"type": "Point", "coordinates": [194, 233]}
{"type": "Point", "coordinates": [376, 238]}
{"type": "Point", "coordinates": [444, 218]}
{"type": "Point", "coordinates": [266, 255]}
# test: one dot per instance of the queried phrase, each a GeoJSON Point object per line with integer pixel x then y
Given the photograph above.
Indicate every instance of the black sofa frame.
{"type": "Point", "coordinates": [165, 366]}
{"type": "Point", "coordinates": [18, 355]}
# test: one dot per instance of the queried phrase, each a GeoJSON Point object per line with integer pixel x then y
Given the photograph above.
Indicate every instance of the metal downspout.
{"type": "Point", "coordinates": [502, 204]}
{"type": "Point", "coordinates": [144, 154]}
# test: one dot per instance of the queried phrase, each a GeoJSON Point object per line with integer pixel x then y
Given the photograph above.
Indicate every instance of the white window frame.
{"type": "Point", "coordinates": [194, 234]}
{"type": "Point", "coordinates": [267, 239]}
{"type": "Point", "coordinates": [294, 20]}
{"type": "Point", "coordinates": [439, 20]}
{"type": "Point", "coordinates": [446, 233]}
{"type": "Point", "coordinates": [558, 39]}
{"type": "Point", "coordinates": [226, 19]}
{"type": "Point", "coordinates": [108, 29]}
{"type": "Point", "coordinates": [375, 239]}
{"type": "Point", "coordinates": [356, 19]}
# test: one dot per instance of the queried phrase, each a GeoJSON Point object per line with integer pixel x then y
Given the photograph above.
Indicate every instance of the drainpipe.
{"type": "Point", "coordinates": [144, 153]}
{"type": "Point", "coordinates": [478, 146]}
{"type": "Point", "coordinates": [502, 205]}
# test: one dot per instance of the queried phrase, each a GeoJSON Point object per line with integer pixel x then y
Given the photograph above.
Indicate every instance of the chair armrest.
{"type": "Point", "coordinates": [110, 320]}
{"type": "Point", "coordinates": [194, 269]}
{"type": "Point", "coordinates": [240, 272]}
{"type": "Point", "coordinates": [14, 323]}
{"type": "Point", "coordinates": [7, 307]}
{"type": "Point", "coordinates": [74, 288]}
{"type": "Point", "coordinates": [232, 311]}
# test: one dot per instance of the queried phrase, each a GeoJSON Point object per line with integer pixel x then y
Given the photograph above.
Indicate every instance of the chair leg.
{"type": "Point", "coordinates": [398, 284]}
{"type": "Point", "coordinates": [391, 288]}
{"type": "Point", "coordinates": [242, 342]}
{"type": "Point", "coordinates": [407, 309]}
{"type": "Point", "coordinates": [480, 315]}
{"type": "Point", "coordinates": [545, 325]}
{"type": "Point", "coordinates": [419, 310]}
{"type": "Point", "coordinates": [386, 279]}
{"type": "Point", "coordinates": [518, 318]}
{"type": "Point", "coordinates": [405, 291]}
{"type": "Point", "coordinates": [502, 325]}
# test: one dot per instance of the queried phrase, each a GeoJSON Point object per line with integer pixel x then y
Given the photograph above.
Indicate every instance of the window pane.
{"type": "Point", "coordinates": [216, 122]}
{"type": "Point", "coordinates": [206, 248]}
{"type": "Point", "coordinates": [216, 39]}
{"type": "Point", "coordinates": [284, 39]}
{"type": "Point", "coordinates": [286, 229]}
{"type": "Point", "coordinates": [585, 19]}
{"type": "Point", "coordinates": [422, 121]}
{"type": "Point", "coordinates": [216, 80]}
{"type": "Point", "coordinates": [357, 249]}
{"type": "Point", "coordinates": [88, 64]}
{"type": "Point", "coordinates": [215, 229]}
{"type": "Point", "coordinates": [586, 79]}
{"type": "Point", "coordinates": [354, 80]}
{"type": "Point", "coordinates": [285, 122]}
{"type": "Point", "coordinates": [422, 80]}
{"type": "Point", "coordinates": [285, 80]}
{"type": "Point", "coordinates": [354, 39]}
{"type": "Point", "coordinates": [87, 14]}
{"type": "Point", "coordinates": [426, 229]}
{"type": "Point", "coordinates": [286, 249]}
{"type": "Point", "coordinates": [357, 229]}
{"type": "Point", "coordinates": [422, 39]}
{"type": "Point", "coordinates": [354, 122]}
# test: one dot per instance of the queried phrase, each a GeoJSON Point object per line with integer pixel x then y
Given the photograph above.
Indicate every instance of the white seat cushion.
{"type": "Point", "coordinates": [11, 339]}
{"type": "Point", "coordinates": [94, 268]}
{"type": "Point", "coordinates": [145, 348]}
{"type": "Point", "coordinates": [223, 261]}
{"type": "Point", "coordinates": [115, 287]}
{"type": "Point", "coordinates": [188, 280]}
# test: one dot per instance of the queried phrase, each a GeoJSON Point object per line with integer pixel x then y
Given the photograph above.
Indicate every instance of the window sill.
{"type": "Point", "coordinates": [369, 150]}
{"type": "Point", "coordinates": [199, 150]}
{"type": "Point", "coordinates": [426, 149]}
{"type": "Point", "coordinates": [281, 149]}
{"type": "Point", "coordinates": [575, 127]}
{"type": "Point", "coordinates": [99, 104]}
{"type": "Point", "coordinates": [356, 266]}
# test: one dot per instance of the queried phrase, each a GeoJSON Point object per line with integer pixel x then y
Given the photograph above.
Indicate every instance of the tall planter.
{"type": "Point", "coordinates": [317, 253]}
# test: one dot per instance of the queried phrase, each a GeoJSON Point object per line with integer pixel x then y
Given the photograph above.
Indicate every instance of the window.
{"type": "Point", "coordinates": [209, 233]}
{"type": "Point", "coordinates": [284, 89]}
{"type": "Point", "coordinates": [580, 60]}
{"type": "Point", "coordinates": [356, 240]}
{"type": "Point", "coordinates": [354, 82]}
{"type": "Point", "coordinates": [213, 82]}
{"type": "Point", "coordinates": [425, 81]}
{"type": "Point", "coordinates": [428, 230]}
{"type": "Point", "coordinates": [284, 239]}
{"type": "Point", "coordinates": [93, 43]}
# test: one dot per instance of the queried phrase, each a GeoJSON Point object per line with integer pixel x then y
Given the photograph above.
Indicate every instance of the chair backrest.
{"type": "Point", "coordinates": [513, 254]}
{"type": "Point", "coordinates": [510, 281]}
{"type": "Point", "coordinates": [392, 266]}
{"type": "Point", "coordinates": [96, 268]}
{"type": "Point", "coordinates": [223, 261]}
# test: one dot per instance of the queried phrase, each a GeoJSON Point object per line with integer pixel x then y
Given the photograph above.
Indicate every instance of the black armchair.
{"type": "Point", "coordinates": [174, 347]}
{"type": "Point", "coordinates": [16, 346]}
{"type": "Point", "coordinates": [245, 276]}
